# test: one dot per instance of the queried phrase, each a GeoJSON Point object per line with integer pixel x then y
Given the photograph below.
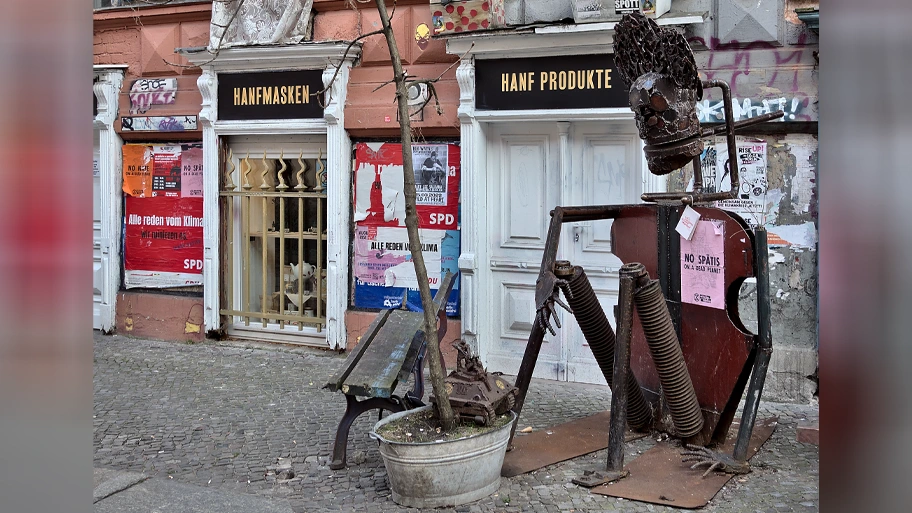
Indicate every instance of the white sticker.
{"type": "Point", "coordinates": [688, 222]}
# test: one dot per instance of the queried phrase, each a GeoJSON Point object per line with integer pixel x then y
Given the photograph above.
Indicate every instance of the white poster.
{"type": "Point", "coordinates": [750, 198]}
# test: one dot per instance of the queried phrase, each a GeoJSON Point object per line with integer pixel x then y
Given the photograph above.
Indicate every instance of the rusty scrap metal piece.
{"type": "Point", "coordinates": [547, 293]}
{"type": "Point", "coordinates": [665, 349]}
{"type": "Point", "coordinates": [602, 341]}
{"type": "Point", "coordinates": [592, 478]}
{"type": "Point", "coordinates": [713, 460]}
{"type": "Point", "coordinates": [659, 67]}
{"type": "Point", "coordinates": [475, 393]}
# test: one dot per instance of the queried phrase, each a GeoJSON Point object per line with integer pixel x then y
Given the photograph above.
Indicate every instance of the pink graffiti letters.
{"type": "Point", "coordinates": [146, 92]}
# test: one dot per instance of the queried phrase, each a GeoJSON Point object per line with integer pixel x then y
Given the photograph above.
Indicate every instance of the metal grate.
{"type": "Point", "coordinates": [279, 210]}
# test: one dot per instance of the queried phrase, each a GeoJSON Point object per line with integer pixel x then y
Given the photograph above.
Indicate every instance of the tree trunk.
{"type": "Point", "coordinates": [444, 411]}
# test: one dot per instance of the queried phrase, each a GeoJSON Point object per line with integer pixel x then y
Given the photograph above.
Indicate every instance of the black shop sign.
{"type": "Point", "coordinates": [565, 82]}
{"type": "Point", "coordinates": [270, 95]}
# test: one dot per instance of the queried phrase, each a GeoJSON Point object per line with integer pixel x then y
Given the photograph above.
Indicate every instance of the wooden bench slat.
{"type": "Point", "coordinates": [335, 383]}
{"type": "Point", "coordinates": [376, 373]}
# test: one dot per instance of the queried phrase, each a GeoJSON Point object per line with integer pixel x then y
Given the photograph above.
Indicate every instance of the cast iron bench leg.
{"type": "Point", "coordinates": [353, 409]}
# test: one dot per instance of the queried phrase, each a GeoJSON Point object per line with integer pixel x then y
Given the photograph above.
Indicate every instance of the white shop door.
{"type": "Point", "coordinates": [97, 266]}
{"type": "Point", "coordinates": [525, 181]}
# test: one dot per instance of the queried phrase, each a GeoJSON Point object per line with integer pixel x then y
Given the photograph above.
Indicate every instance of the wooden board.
{"type": "Point", "coordinates": [377, 372]}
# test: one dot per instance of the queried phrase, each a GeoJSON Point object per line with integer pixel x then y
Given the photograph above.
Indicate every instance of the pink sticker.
{"type": "Point", "coordinates": [703, 266]}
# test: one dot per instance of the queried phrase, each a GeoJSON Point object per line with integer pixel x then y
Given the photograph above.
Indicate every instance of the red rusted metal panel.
{"type": "Point", "coordinates": [716, 348]}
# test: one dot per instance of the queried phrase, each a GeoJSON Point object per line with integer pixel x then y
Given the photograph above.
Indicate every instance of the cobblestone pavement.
{"type": "Point", "coordinates": [222, 414]}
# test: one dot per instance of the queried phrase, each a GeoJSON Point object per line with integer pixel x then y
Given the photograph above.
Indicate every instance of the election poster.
{"type": "Point", "coordinates": [382, 260]}
{"type": "Point", "coordinates": [384, 270]}
{"type": "Point", "coordinates": [703, 265]}
{"type": "Point", "coordinates": [379, 185]}
{"type": "Point", "coordinates": [163, 215]}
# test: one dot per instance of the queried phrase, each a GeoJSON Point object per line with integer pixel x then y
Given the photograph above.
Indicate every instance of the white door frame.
{"type": "Point", "coordinates": [106, 90]}
{"type": "Point", "coordinates": [477, 321]}
{"type": "Point", "coordinates": [325, 56]}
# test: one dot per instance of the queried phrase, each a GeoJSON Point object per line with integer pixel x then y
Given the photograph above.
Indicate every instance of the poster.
{"type": "Point", "coordinates": [430, 164]}
{"type": "Point", "coordinates": [703, 266]}
{"type": "Point", "coordinates": [379, 184]}
{"type": "Point", "coordinates": [383, 266]}
{"type": "Point", "coordinates": [137, 170]}
{"type": "Point", "coordinates": [163, 215]}
{"type": "Point", "coordinates": [166, 171]}
{"type": "Point", "coordinates": [750, 200]}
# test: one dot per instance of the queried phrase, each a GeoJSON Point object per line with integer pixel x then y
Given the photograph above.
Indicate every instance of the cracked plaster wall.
{"type": "Point", "coordinates": [791, 208]}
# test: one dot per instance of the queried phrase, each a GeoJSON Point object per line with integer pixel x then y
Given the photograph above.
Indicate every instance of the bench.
{"type": "Point", "coordinates": [393, 348]}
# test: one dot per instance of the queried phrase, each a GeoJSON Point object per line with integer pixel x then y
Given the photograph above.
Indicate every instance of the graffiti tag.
{"type": "Point", "coordinates": [146, 92]}
{"type": "Point", "coordinates": [713, 111]}
{"type": "Point", "coordinates": [158, 123]}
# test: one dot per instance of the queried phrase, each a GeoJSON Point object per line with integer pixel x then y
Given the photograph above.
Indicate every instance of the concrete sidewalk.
{"type": "Point", "coordinates": [237, 426]}
{"type": "Point", "coordinates": [118, 491]}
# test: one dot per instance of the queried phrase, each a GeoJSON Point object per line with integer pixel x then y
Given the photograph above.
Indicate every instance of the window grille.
{"type": "Point", "coordinates": [278, 210]}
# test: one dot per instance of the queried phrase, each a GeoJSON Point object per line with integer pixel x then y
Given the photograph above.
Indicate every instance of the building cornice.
{"type": "Point", "coordinates": [550, 40]}
{"type": "Point", "coordinates": [130, 17]}
{"type": "Point", "coordinates": [307, 55]}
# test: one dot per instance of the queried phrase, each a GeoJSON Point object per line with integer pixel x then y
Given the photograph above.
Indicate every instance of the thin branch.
{"type": "Point", "coordinates": [221, 40]}
{"type": "Point", "coordinates": [319, 94]}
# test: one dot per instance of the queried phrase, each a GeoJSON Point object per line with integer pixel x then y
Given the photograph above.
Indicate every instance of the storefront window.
{"type": "Point", "coordinates": [277, 241]}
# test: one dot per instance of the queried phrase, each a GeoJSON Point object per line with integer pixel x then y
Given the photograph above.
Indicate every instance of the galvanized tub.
{"type": "Point", "coordinates": [437, 474]}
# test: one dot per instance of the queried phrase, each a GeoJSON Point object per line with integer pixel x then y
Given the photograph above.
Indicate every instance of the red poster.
{"type": "Point", "coordinates": [163, 243]}
{"type": "Point", "coordinates": [379, 197]}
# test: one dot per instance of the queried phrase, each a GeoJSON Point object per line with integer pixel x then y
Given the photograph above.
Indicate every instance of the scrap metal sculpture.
{"type": "Point", "coordinates": [476, 394]}
{"type": "Point", "coordinates": [684, 367]}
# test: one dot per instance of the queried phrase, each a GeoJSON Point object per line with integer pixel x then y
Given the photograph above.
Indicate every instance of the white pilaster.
{"type": "Point", "coordinates": [339, 178]}
{"type": "Point", "coordinates": [106, 90]}
{"type": "Point", "coordinates": [475, 312]}
{"type": "Point", "coordinates": [208, 85]}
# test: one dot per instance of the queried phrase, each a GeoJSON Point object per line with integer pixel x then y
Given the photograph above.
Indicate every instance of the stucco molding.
{"type": "Point", "coordinates": [106, 89]}
{"type": "Point", "coordinates": [309, 55]}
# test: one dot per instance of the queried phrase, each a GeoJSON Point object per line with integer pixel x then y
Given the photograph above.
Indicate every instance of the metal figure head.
{"type": "Point", "coordinates": [659, 67]}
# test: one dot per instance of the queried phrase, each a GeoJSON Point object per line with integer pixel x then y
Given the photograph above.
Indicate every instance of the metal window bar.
{"type": "Point", "coordinates": [272, 307]}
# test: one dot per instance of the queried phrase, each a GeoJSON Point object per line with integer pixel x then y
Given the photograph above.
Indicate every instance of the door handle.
{"type": "Point", "coordinates": [578, 229]}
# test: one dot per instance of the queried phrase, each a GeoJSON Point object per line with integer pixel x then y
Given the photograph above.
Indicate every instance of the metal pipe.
{"type": "Point", "coordinates": [264, 241]}
{"type": "Point", "coordinates": [744, 123]}
{"type": "Point", "coordinates": [764, 348]}
{"type": "Point", "coordinates": [729, 133]}
{"type": "Point", "coordinates": [616, 429]}
{"type": "Point", "coordinates": [281, 285]}
{"type": "Point", "coordinates": [537, 336]}
{"type": "Point", "coordinates": [698, 174]}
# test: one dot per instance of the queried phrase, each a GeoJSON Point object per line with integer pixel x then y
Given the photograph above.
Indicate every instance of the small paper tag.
{"type": "Point", "coordinates": [688, 222]}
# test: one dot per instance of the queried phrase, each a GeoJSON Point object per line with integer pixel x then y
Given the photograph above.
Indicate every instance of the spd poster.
{"type": "Point", "coordinates": [163, 215]}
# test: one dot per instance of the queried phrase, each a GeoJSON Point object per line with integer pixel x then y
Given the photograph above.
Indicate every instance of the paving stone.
{"type": "Point", "coordinates": [224, 412]}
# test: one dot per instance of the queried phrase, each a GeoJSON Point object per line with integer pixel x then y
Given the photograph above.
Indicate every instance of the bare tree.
{"type": "Point", "coordinates": [402, 83]}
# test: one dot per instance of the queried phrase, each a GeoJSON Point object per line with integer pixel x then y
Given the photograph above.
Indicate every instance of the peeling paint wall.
{"type": "Point", "coordinates": [776, 62]}
{"type": "Point", "coordinates": [791, 221]}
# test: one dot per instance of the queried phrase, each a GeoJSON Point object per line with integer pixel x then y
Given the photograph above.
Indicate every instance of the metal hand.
{"type": "Point", "coordinates": [715, 461]}
{"type": "Point", "coordinates": [547, 292]}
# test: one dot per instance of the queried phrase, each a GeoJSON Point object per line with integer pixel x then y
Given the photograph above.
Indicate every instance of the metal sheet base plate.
{"type": "Point", "coordinates": [660, 477]}
{"type": "Point", "coordinates": [559, 443]}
